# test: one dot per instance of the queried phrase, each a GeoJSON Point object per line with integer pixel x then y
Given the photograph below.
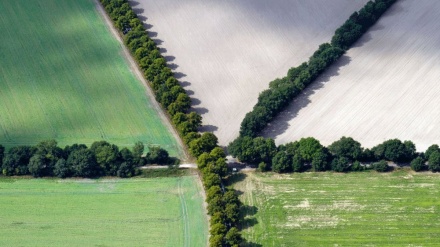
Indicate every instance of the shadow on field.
{"type": "Point", "coordinates": [281, 123]}
{"type": "Point", "coordinates": [367, 36]}
{"type": "Point", "coordinates": [208, 128]}
{"type": "Point", "coordinates": [250, 244]}
{"type": "Point", "coordinates": [185, 83]}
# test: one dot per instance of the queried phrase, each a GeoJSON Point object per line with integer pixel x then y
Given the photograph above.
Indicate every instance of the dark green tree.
{"type": "Point", "coordinates": [206, 143]}
{"type": "Point", "coordinates": [233, 237]}
{"type": "Point", "coordinates": [320, 161]}
{"type": "Point", "coordinates": [431, 149]}
{"type": "Point", "coordinates": [37, 166]}
{"type": "Point", "coordinates": [157, 155]}
{"type": "Point", "coordinates": [434, 161]}
{"type": "Point", "coordinates": [107, 157]}
{"type": "Point", "coordinates": [381, 166]}
{"type": "Point", "coordinates": [346, 147]}
{"type": "Point", "coordinates": [282, 162]}
{"type": "Point", "coordinates": [83, 163]}
{"type": "Point", "coordinates": [138, 150]}
{"type": "Point", "coordinates": [61, 169]}
{"type": "Point", "coordinates": [16, 160]}
{"type": "Point", "coordinates": [340, 164]}
{"type": "Point", "coordinates": [417, 164]}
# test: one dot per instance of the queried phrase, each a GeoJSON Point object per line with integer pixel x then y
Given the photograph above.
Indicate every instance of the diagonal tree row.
{"type": "Point", "coordinates": [223, 203]}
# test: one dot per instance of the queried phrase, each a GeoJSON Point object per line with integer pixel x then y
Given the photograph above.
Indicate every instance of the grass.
{"type": "Point", "coordinates": [63, 76]}
{"type": "Point", "coordinates": [330, 209]}
{"type": "Point", "coordinates": [105, 212]}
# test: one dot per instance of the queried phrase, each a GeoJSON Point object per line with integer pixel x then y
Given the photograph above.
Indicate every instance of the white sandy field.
{"type": "Point", "coordinates": [226, 52]}
{"type": "Point", "coordinates": [387, 86]}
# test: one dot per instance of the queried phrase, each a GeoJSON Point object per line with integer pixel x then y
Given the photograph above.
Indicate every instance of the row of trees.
{"type": "Point", "coordinates": [343, 155]}
{"type": "Point", "coordinates": [283, 90]}
{"type": "Point", "coordinates": [168, 92]}
{"type": "Point", "coordinates": [46, 159]}
{"type": "Point", "coordinates": [223, 203]}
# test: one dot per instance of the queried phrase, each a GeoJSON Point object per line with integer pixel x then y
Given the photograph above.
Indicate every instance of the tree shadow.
{"type": "Point", "coordinates": [157, 41]}
{"type": "Point", "coordinates": [179, 75]}
{"type": "Point", "coordinates": [195, 102]}
{"type": "Point", "coordinates": [208, 128]}
{"type": "Point", "coordinates": [395, 9]}
{"type": "Point", "coordinates": [235, 178]}
{"type": "Point", "coordinates": [189, 92]}
{"type": "Point", "coordinates": [152, 34]}
{"type": "Point", "coordinates": [169, 58]}
{"type": "Point", "coordinates": [250, 244]}
{"type": "Point", "coordinates": [248, 223]}
{"type": "Point", "coordinates": [366, 37]}
{"type": "Point", "coordinates": [133, 3]}
{"type": "Point", "coordinates": [172, 66]}
{"type": "Point", "coordinates": [183, 83]}
{"type": "Point", "coordinates": [281, 123]}
{"type": "Point", "coordinates": [200, 110]}
{"type": "Point", "coordinates": [249, 210]}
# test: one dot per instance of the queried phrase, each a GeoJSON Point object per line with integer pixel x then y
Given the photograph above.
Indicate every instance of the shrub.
{"type": "Point", "coordinates": [417, 164]}
{"type": "Point", "coordinates": [381, 166]}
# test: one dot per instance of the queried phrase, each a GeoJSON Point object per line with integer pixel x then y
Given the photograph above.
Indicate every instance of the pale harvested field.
{"type": "Point", "coordinates": [227, 52]}
{"type": "Point", "coordinates": [385, 87]}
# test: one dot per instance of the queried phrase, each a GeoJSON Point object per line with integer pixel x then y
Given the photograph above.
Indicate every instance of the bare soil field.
{"type": "Point", "coordinates": [226, 52]}
{"type": "Point", "coordinates": [387, 86]}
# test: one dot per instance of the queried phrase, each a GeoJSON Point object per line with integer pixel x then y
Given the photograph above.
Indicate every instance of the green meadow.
{"type": "Point", "coordinates": [105, 212]}
{"type": "Point", "coordinates": [330, 209]}
{"type": "Point", "coordinates": [63, 76]}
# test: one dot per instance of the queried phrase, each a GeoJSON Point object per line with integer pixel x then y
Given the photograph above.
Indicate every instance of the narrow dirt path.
{"type": "Point", "coordinates": [137, 71]}
{"type": "Point", "coordinates": [185, 218]}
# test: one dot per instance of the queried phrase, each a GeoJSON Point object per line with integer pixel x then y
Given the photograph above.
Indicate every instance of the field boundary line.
{"type": "Point", "coordinates": [137, 72]}
{"type": "Point", "coordinates": [186, 237]}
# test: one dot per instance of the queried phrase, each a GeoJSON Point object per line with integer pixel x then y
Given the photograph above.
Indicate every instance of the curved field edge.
{"type": "Point", "coordinates": [322, 209]}
{"type": "Point", "coordinates": [64, 77]}
{"type": "Point", "coordinates": [110, 212]}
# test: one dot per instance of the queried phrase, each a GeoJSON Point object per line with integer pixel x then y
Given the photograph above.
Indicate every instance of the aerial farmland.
{"type": "Point", "coordinates": [385, 87]}
{"type": "Point", "coordinates": [64, 76]}
{"type": "Point", "coordinates": [226, 52]}
{"type": "Point", "coordinates": [139, 80]}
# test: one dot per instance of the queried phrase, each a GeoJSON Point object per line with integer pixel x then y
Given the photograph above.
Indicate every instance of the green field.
{"type": "Point", "coordinates": [329, 209]}
{"type": "Point", "coordinates": [107, 212]}
{"type": "Point", "coordinates": [63, 76]}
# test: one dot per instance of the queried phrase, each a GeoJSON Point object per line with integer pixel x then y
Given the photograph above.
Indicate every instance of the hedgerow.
{"type": "Point", "coordinates": [282, 91]}
{"type": "Point", "coordinates": [223, 203]}
{"type": "Point", "coordinates": [47, 159]}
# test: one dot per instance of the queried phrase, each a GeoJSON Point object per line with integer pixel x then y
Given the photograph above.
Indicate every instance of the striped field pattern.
{"type": "Point", "coordinates": [165, 212]}
{"type": "Point", "coordinates": [331, 209]}
{"type": "Point", "coordinates": [64, 76]}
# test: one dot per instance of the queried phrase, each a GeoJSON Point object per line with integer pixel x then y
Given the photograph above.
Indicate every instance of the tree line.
{"type": "Point", "coordinates": [343, 155]}
{"type": "Point", "coordinates": [47, 159]}
{"type": "Point", "coordinates": [223, 204]}
{"type": "Point", "coordinates": [283, 90]}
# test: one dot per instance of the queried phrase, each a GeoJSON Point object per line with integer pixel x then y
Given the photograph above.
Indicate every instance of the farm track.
{"type": "Point", "coordinates": [185, 218]}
